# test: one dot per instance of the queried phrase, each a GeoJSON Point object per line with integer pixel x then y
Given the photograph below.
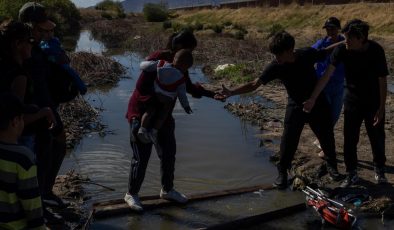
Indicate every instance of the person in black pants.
{"type": "Point", "coordinates": [295, 69]}
{"type": "Point", "coordinates": [366, 89]}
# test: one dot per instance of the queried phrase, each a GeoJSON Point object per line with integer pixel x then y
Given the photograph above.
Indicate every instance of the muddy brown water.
{"type": "Point", "coordinates": [215, 151]}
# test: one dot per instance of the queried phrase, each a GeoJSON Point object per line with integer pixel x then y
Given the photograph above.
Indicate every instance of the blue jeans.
{"type": "Point", "coordinates": [27, 141]}
{"type": "Point", "coordinates": [334, 95]}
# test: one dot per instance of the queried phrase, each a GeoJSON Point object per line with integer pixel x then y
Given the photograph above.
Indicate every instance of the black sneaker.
{"type": "Point", "coordinates": [52, 200]}
{"type": "Point", "coordinates": [379, 176]}
{"type": "Point", "coordinates": [334, 174]}
{"type": "Point", "coordinates": [52, 218]}
{"type": "Point", "coordinates": [322, 170]}
{"type": "Point", "coordinates": [350, 180]}
{"type": "Point", "coordinates": [281, 181]}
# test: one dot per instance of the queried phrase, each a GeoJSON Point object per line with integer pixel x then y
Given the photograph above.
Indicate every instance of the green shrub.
{"type": "Point", "coordinates": [240, 28]}
{"type": "Point", "coordinates": [238, 73]}
{"type": "Point", "coordinates": [215, 27]}
{"type": "Point", "coordinates": [227, 23]}
{"type": "Point", "coordinates": [111, 8]}
{"type": "Point", "coordinates": [176, 26]}
{"type": "Point", "coordinates": [167, 24]}
{"type": "Point", "coordinates": [106, 15]}
{"type": "Point", "coordinates": [198, 26]}
{"type": "Point", "coordinates": [275, 28]}
{"type": "Point", "coordinates": [109, 5]}
{"type": "Point", "coordinates": [155, 12]}
{"type": "Point", "coordinates": [122, 15]}
{"type": "Point", "coordinates": [240, 35]}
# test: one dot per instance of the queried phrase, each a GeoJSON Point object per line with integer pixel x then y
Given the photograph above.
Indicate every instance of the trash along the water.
{"type": "Point", "coordinates": [331, 211]}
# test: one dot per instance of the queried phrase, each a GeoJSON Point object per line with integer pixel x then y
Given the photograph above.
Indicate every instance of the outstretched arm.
{"type": "Point", "coordinates": [198, 91]}
{"type": "Point", "coordinates": [332, 46]}
{"type": "Point", "coordinates": [382, 107]}
{"type": "Point", "coordinates": [321, 83]}
{"type": "Point", "coordinates": [246, 88]}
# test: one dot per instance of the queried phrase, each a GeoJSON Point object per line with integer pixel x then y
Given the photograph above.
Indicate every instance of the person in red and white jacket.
{"type": "Point", "coordinates": [142, 98]}
{"type": "Point", "coordinates": [169, 85]}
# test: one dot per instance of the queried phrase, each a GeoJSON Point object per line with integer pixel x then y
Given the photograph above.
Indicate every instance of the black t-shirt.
{"type": "Point", "coordinates": [38, 68]}
{"type": "Point", "coordinates": [299, 77]}
{"type": "Point", "coordinates": [362, 72]}
{"type": "Point", "coordinates": [10, 70]}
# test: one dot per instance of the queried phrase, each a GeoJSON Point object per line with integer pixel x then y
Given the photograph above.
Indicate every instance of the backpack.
{"type": "Point", "coordinates": [61, 84]}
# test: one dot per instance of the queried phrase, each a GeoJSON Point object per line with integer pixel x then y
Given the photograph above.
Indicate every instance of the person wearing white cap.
{"type": "Point", "coordinates": [35, 15]}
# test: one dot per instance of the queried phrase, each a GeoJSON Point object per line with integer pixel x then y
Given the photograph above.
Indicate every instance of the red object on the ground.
{"type": "Point", "coordinates": [336, 216]}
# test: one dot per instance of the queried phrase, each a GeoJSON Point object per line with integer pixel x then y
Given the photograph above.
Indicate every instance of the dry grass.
{"type": "Point", "coordinates": [89, 15]}
{"type": "Point", "coordinates": [79, 117]}
{"type": "Point", "coordinates": [96, 70]}
{"type": "Point", "coordinates": [380, 16]}
{"type": "Point", "coordinates": [304, 22]}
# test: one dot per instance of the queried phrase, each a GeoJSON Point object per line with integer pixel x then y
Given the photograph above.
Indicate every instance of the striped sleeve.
{"type": "Point", "coordinates": [181, 91]}
{"type": "Point", "coordinates": [29, 196]}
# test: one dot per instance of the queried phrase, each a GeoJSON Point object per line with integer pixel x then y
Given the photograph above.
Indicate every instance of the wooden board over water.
{"type": "Point", "coordinates": [112, 208]}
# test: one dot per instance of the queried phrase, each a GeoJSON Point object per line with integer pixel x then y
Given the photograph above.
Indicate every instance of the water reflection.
{"type": "Point", "coordinates": [88, 44]}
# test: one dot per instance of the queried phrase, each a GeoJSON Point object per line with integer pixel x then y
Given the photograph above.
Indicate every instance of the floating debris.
{"type": "Point", "coordinates": [79, 118]}
{"type": "Point", "coordinates": [96, 70]}
{"type": "Point", "coordinates": [69, 187]}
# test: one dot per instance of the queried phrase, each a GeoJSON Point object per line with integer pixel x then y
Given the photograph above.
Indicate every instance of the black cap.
{"type": "Point", "coordinates": [185, 39]}
{"type": "Point", "coordinates": [332, 22]}
{"type": "Point", "coordinates": [33, 12]}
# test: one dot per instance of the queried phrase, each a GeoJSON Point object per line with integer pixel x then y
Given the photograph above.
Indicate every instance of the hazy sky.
{"type": "Point", "coordinates": [86, 3]}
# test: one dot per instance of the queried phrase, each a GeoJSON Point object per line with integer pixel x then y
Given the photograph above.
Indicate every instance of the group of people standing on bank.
{"type": "Point", "coordinates": [32, 136]}
{"type": "Point", "coordinates": [340, 69]}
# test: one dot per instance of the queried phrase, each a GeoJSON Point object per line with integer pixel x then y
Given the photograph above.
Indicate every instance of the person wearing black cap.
{"type": "Point", "coordinates": [366, 74]}
{"type": "Point", "coordinates": [20, 206]}
{"type": "Point", "coordinates": [50, 145]}
{"type": "Point", "coordinates": [143, 97]}
{"type": "Point", "coordinates": [335, 87]}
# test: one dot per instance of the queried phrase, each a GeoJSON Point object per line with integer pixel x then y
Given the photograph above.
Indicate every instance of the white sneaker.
{"type": "Point", "coordinates": [174, 196]}
{"type": "Point", "coordinates": [317, 144]}
{"type": "Point", "coordinates": [320, 154]}
{"type": "Point", "coordinates": [143, 135]}
{"type": "Point", "coordinates": [153, 136]}
{"type": "Point", "coordinates": [134, 202]}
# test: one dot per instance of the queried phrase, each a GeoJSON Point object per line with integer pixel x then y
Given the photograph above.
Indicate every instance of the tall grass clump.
{"type": "Point", "coordinates": [155, 12]}
{"type": "Point", "coordinates": [273, 29]}
{"type": "Point", "coordinates": [238, 73]}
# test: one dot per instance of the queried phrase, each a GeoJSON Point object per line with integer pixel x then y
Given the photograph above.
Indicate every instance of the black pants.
{"type": "Point", "coordinates": [142, 152]}
{"type": "Point", "coordinates": [354, 115]}
{"type": "Point", "coordinates": [321, 124]}
{"type": "Point", "coordinates": [50, 149]}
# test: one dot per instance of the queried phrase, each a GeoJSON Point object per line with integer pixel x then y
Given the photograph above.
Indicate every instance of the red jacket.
{"type": "Point", "coordinates": [144, 89]}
